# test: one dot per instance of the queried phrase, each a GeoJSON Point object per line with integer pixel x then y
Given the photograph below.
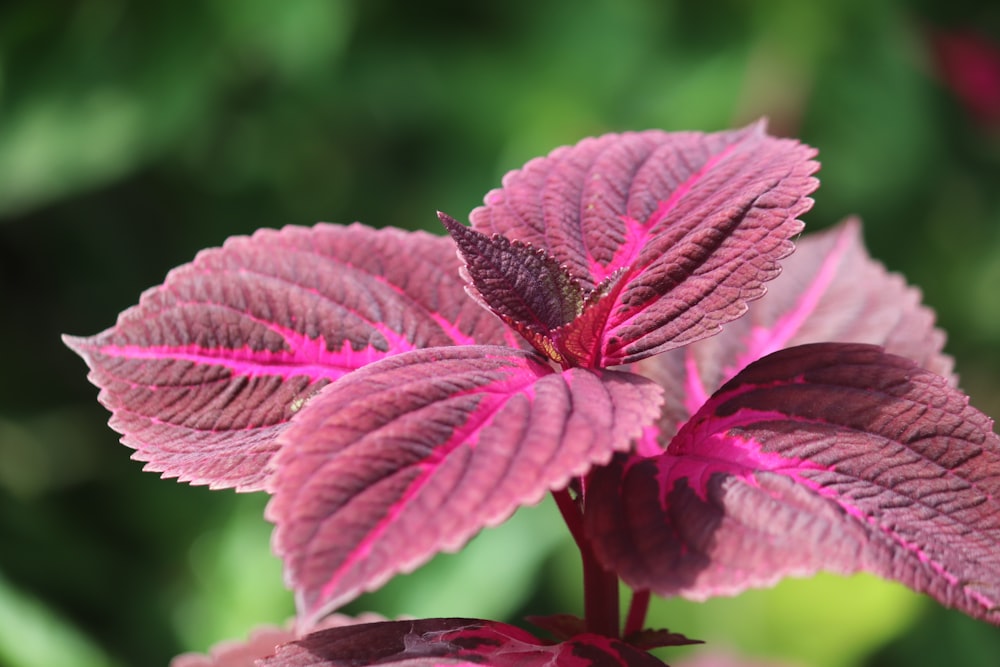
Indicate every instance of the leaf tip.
{"type": "Point", "coordinates": [450, 223]}
{"type": "Point", "coordinates": [76, 343]}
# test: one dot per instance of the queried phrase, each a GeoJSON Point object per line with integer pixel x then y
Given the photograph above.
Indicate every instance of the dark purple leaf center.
{"type": "Point", "coordinates": [532, 292]}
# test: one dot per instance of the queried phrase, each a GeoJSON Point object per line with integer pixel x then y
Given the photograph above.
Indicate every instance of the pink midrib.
{"type": "Point", "coordinates": [765, 340]}
{"type": "Point", "coordinates": [306, 356]}
{"type": "Point", "coordinates": [636, 236]}
{"type": "Point", "coordinates": [637, 233]}
{"type": "Point", "coordinates": [743, 457]}
{"type": "Point", "coordinates": [494, 401]}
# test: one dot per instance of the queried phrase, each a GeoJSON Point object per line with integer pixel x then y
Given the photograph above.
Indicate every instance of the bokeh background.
{"type": "Point", "coordinates": [133, 134]}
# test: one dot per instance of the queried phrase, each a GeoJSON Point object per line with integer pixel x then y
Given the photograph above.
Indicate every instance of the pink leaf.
{"type": "Point", "coordinates": [209, 368]}
{"type": "Point", "coordinates": [830, 290]}
{"type": "Point", "coordinates": [452, 641]}
{"type": "Point", "coordinates": [688, 227]}
{"type": "Point", "coordinates": [416, 453]}
{"type": "Point", "coordinates": [262, 643]}
{"type": "Point", "coordinates": [820, 457]}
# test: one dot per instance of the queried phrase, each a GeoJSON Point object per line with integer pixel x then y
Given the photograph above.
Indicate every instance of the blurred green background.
{"type": "Point", "coordinates": [134, 134]}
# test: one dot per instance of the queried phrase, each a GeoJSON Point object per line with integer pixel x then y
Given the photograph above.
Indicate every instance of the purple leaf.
{"type": "Point", "coordinates": [524, 286]}
{"type": "Point", "coordinates": [262, 643]}
{"type": "Point", "coordinates": [452, 641]}
{"type": "Point", "coordinates": [830, 290]}
{"type": "Point", "coordinates": [659, 638]}
{"type": "Point", "coordinates": [521, 284]}
{"type": "Point", "coordinates": [686, 226]}
{"type": "Point", "coordinates": [210, 367]}
{"type": "Point", "coordinates": [820, 457]}
{"type": "Point", "coordinates": [416, 453]}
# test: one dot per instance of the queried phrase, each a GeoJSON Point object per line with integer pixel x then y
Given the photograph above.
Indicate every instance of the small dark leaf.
{"type": "Point", "coordinates": [819, 457]}
{"type": "Point", "coordinates": [525, 286]}
{"type": "Point", "coordinates": [560, 626]}
{"type": "Point", "coordinates": [650, 639]}
{"type": "Point", "coordinates": [416, 453]}
{"type": "Point", "coordinates": [452, 641]}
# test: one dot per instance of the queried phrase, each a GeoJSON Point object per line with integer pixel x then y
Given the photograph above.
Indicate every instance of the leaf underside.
{"type": "Point", "coordinates": [416, 453]}
{"type": "Point", "coordinates": [212, 365]}
{"type": "Point", "coordinates": [830, 457]}
{"type": "Point", "coordinates": [452, 641]}
{"type": "Point", "coordinates": [691, 225]}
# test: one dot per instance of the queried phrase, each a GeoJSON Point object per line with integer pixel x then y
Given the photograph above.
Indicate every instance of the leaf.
{"type": "Point", "coordinates": [830, 290]}
{"type": "Point", "coordinates": [689, 226]}
{"type": "Point", "coordinates": [416, 453]}
{"type": "Point", "coordinates": [451, 641]}
{"type": "Point", "coordinates": [525, 286]}
{"type": "Point", "coordinates": [261, 643]}
{"type": "Point", "coordinates": [649, 639]}
{"type": "Point", "coordinates": [210, 367]}
{"type": "Point", "coordinates": [819, 457]}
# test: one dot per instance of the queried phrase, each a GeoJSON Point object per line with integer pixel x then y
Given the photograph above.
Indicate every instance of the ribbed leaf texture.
{"type": "Point", "coordinates": [347, 371]}
{"type": "Point", "coordinates": [452, 641]}
{"type": "Point", "coordinates": [819, 457]}
{"type": "Point", "coordinates": [686, 226]}
{"type": "Point", "coordinates": [209, 368]}
{"type": "Point", "coordinates": [523, 285]}
{"type": "Point", "coordinates": [416, 453]}
{"type": "Point", "coordinates": [830, 290]}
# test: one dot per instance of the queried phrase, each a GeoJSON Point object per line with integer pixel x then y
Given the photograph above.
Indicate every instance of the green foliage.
{"type": "Point", "coordinates": [134, 134]}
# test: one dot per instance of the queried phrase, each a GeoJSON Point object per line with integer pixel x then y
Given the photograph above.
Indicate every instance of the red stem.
{"type": "Point", "coordinates": [600, 601]}
{"type": "Point", "coordinates": [600, 587]}
{"type": "Point", "coordinates": [637, 609]}
{"type": "Point", "coordinates": [572, 515]}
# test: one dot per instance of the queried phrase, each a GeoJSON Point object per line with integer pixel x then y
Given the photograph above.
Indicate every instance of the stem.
{"type": "Point", "coordinates": [572, 515]}
{"type": "Point", "coordinates": [600, 587]}
{"type": "Point", "coordinates": [600, 601]}
{"type": "Point", "coordinates": [637, 612]}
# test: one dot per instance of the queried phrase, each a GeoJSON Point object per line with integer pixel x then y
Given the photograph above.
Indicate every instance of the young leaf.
{"type": "Point", "coordinates": [452, 641]}
{"type": "Point", "coordinates": [819, 457]}
{"type": "Point", "coordinates": [210, 367]}
{"type": "Point", "coordinates": [829, 290]}
{"type": "Point", "coordinates": [692, 224]}
{"type": "Point", "coordinates": [523, 285]}
{"type": "Point", "coordinates": [416, 453]}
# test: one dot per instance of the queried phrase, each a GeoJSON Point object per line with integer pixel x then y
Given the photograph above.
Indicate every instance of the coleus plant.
{"type": "Point", "coordinates": [589, 339]}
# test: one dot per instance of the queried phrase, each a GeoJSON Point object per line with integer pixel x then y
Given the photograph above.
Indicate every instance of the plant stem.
{"type": "Point", "coordinates": [572, 515]}
{"type": "Point", "coordinates": [637, 609]}
{"type": "Point", "coordinates": [600, 587]}
{"type": "Point", "coordinates": [600, 601]}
